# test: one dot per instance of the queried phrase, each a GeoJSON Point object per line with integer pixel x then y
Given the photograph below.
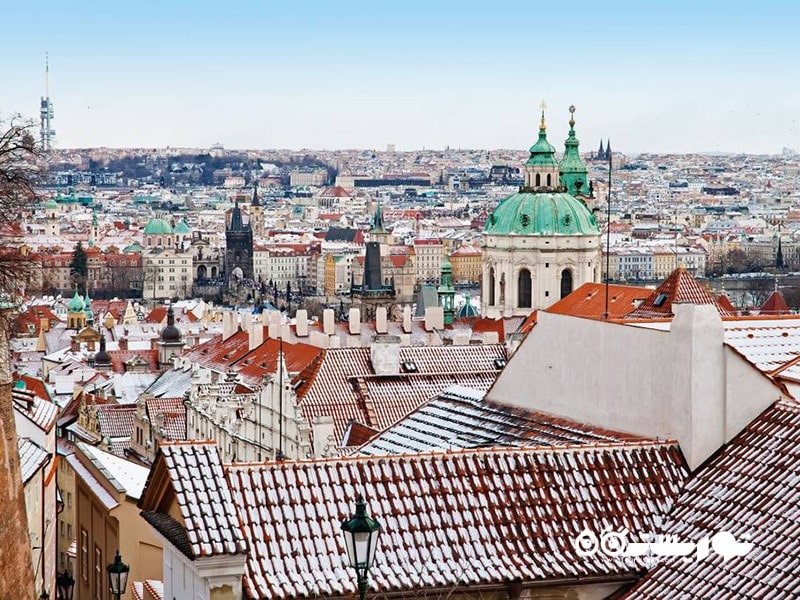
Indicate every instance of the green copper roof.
{"type": "Point", "coordinates": [134, 248]}
{"type": "Point", "coordinates": [158, 227]}
{"type": "Point", "coordinates": [527, 213]}
{"type": "Point", "coordinates": [50, 204]}
{"type": "Point", "coordinates": [182, 227]}
{"type": "Point", "coordinates": [572, 167]}
{"type": "Point", "coordinates": [76, 305]}
{"type": "Point", "coordinates": [542, 153]}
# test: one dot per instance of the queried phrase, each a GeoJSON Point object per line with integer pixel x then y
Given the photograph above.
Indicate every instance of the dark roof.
{"type": "Point", "coordinates": [341, 234]}
{"type": "Point", "coordinates": [170, 529]}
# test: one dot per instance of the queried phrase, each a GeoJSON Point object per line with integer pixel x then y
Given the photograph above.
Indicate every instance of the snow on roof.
{"type": "Point", "coordinates": [210, 524]}
{"type": "Point", "coordinates": [123, 474]}
{"type": "Point", "coordinates": [459, 418]}
{"type": "Point", "coordinates": [457, 519]}
{"type": "Point", "coordinates": [31, 458]}
{"type": "Point", "coordinates": [92, 482]}
{"type": "Point", "coordinates": [750, 489]}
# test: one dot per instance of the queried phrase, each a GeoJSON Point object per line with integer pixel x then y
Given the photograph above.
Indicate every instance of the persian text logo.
{"type": "Point", "coordinates": [651, 545]}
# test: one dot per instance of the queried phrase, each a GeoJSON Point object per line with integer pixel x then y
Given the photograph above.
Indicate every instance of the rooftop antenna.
{"type": "Point", "coordinates": [608, 236]}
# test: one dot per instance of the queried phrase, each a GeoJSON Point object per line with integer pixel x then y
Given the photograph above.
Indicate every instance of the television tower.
{"type": "Point", "coordinates": [47, 133]}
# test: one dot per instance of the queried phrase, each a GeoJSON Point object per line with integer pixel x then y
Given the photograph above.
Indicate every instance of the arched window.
{"type": "Point", "coordinates": [524, 289]}
{"type": "Point", "coordinates": [213, 272]}
{"type": "Point", "coordinates": [566, 283]}
{"type": "Point", "coordinates": [538, 179]}
{"type": "Point", "coordinates": [201, 272]}
{"type": "Point", "coordinates": [549, 179]}
{"type": "Point", "coordinates": [490, 291]}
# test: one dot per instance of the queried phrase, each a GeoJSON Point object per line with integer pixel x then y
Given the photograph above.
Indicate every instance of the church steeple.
{"type": "Point", "coordinates": [541, 169]}
{"type": "Point", "coordinates": [572, 167]}
{"type": "Point", "coordinates": [256, 200]}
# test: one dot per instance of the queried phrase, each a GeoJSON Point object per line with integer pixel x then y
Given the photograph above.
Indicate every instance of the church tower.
{"type": "Point", "coordinates": [572, 168]}
{"type": "Point", "coordinates": [238, 246]}
{"type": "Point", "coordinates": [257, 212]}
{"type": "Point", "coordinates": [541, 169]}
{"type": "Point", "coordinates": [170, 344]}
{"type": "Point", "coordinates": [542, 242]}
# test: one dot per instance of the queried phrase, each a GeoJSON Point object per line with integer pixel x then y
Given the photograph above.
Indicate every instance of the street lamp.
{"type": "Point", "coordinates": [64, 585]}
{"type": "Point", "coordinates": [361, 540]}
{"type": "Point", "coordinates": [118, 576]}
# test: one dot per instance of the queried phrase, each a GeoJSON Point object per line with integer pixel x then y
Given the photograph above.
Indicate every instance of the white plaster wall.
{"type": "Point", "coordinates": [684, 384]}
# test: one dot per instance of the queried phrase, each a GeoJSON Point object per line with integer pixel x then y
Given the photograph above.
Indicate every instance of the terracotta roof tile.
{"type": "Point", "coordinates": [203, 497]}
{"type": "Point", "coordinates": [751, 489]}
{"type": "Point", "coordinates": [775, 305]}
{"type": "Point", "coordinates": [463, 519]}
{"type": "Point", "coordinates": [589, 301]}
{"type": "Point", "coordinates": [680, 286]}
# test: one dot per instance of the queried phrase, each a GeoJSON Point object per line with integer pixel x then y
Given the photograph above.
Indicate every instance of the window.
{"type": "Point", "coordinates": [524, 289]}
{"type": "Point", "coordinates": [538, 180]}
{"type": "Point", "coordinates": [660, 299]}
{"type": "Point", "coordinates": [491, 287]}
{"type": "Point", "coordinates": [548, 179]}
{"type": "Point", "coordinates": [566, 283]}
{"type": "Point", "coordinates": [84, 554]}
{"type": "Point", "coordinates": [98, 573]}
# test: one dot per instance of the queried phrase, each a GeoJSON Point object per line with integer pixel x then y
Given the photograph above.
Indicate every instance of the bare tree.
{"type": "Point", "coordinates": [19, 167]}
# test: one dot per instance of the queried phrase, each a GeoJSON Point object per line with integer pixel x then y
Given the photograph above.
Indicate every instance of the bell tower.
{"type": "Point", "coordinates": [541, 169]}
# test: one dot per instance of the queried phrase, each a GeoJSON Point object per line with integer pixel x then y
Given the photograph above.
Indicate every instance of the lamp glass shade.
{"type": "Point", "coordinates": [361, 537]}
{"type": "Point", "coordinates": [118, 575]}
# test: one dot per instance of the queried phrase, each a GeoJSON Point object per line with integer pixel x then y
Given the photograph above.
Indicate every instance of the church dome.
{"type": "Point", "coordinates": [182, 227]}
{"type": "Point", "coordinates": [170, 333]}
{"type": "Point", "coordinates": [158, 227]}
{"type": "Point", "coordinates": [76, 305]}
{"type": "Point", "coordinates": [544, 213]}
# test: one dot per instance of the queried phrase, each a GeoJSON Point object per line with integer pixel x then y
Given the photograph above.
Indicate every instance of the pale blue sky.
{"type": "Point", "coordinates": [680, 76]}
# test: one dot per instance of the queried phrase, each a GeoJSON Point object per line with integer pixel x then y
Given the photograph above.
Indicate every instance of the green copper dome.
{"type": "Point", "coordinates": [182, 227]}
{"type": "Point", "coordinates": [542, 153]}
{"type": "Point", "coordinates": [158, 227]}
{"type": "Point", "coordinates": [76, 305]}
{"type": "Point", "coordinates": [528, 213]}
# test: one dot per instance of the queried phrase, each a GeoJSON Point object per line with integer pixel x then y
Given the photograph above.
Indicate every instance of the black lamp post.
{"type": "Point", "coordinates": [361, 540]}
{"type": "Point", "coordinates": [65, 584]}
{"type": "Point", "coordinates": [118, 576]}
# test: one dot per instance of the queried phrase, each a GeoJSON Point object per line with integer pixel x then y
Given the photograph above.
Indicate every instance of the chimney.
{"type": "Point", "coordinates": [490, 337]}
{"type": "Point", "coordinates": [324, 442]}
{"type": "Point", "coordinates": [286, 332]}
{"type": "Point", "coordinates": [384, 353]}
{"type": "Point", "coordinates": [256, 335]}
{"type": "Point", "coordinates": [44, 324]}
{"type": "Point", "coordinates": [328, 324]}
{"type": "Point", "coordinates": [301, 323]}
{"type": "Point", "coordinates": [461, 338]}
{"type": "Point", "coordinates": [381, 321]}
{"type": "Point", "coordinates": [318, 339]}
{"type": "Point", "coordinates": [355, 321]}
{"type": "Point", "coordinates": [407, 319]}
{"type": "Point", "coordinates": [434, 318]}
{"type": "Point", "coordinates": [247, 318]}
{"type": "Point", "coordinates": [229, 324]}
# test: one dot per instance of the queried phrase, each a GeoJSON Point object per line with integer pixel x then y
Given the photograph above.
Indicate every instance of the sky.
{"type": "Point", "coordinates": [652, 76]}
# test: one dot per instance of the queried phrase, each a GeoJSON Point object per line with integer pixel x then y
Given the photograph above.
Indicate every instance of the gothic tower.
{"type": "Point", "coordinates": [238, 246]}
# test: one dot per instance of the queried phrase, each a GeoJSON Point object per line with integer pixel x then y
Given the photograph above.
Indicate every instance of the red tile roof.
{"type": "Point", "coordinates": [41, 412]}
{"type": "Point", "coordinates": [680, 286]}
{"type": "Point", "coordinates": [450, 520]}
{"type": "Point", "coordinates": [775, 305]}
{"type": "Point", "coordinates": [326, 387]}
{"type": "Point", "coordinates": [116, 420]}
{"type": "Point", "coordinates": [725, 304]}
{"type": "Point", "coordinates": [589, 301]}
{"type": "Point", "coordinates": [751, 489]}
{"type": "Point", "coordinates": [264, 359]}
{"type": "Point", "coordinates": [120, 358]}
{"type": "Point", "coordinates": [210, 525]}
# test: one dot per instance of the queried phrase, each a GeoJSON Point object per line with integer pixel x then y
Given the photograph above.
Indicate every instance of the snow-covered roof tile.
{"type": "Point", "coordinates": [469, 518]}
{"type": "Point", "coordinates": [750, 489]}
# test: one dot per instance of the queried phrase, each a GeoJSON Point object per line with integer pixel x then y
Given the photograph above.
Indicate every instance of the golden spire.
{"type": "Point", "coordinates": [542, 125]}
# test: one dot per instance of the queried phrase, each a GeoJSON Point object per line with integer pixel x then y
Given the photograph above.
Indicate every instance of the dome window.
{"type": "Point", "coordinates": [526, 220]}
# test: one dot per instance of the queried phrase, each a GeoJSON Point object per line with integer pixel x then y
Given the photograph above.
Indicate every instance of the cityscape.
{"type": "Point", "coordinates": [328, 306]}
